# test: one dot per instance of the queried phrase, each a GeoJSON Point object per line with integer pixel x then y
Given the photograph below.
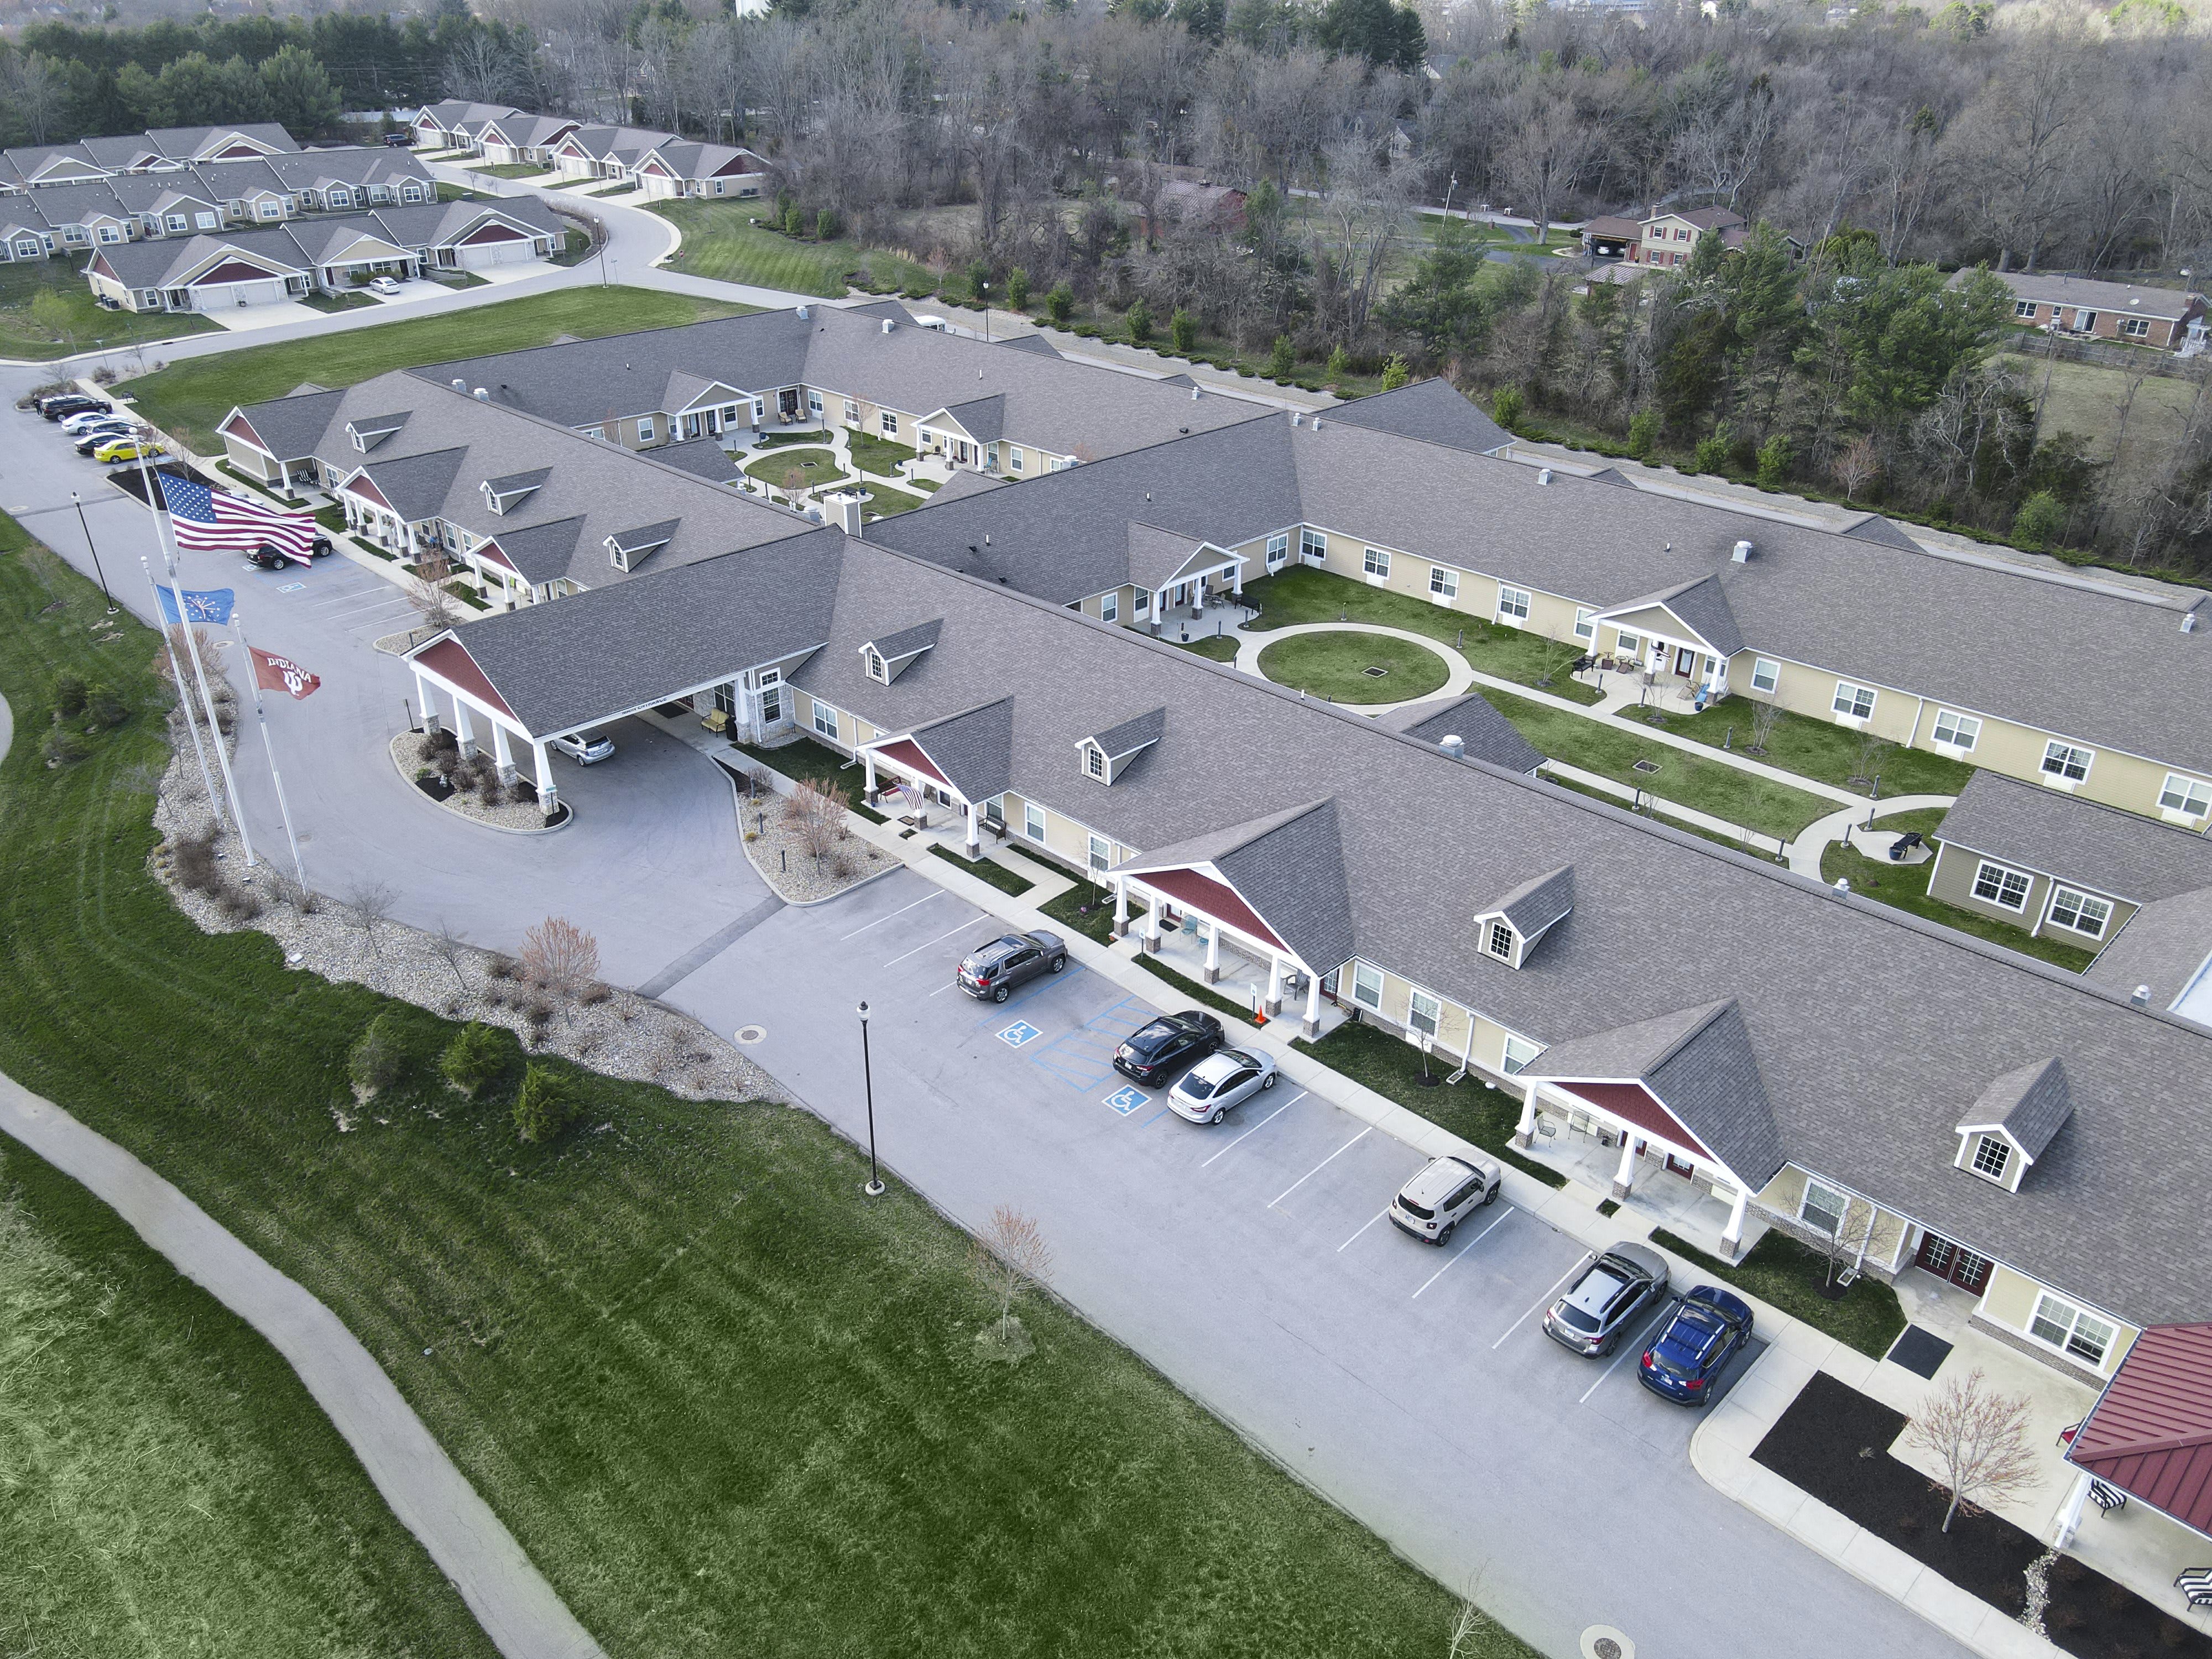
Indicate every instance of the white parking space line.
{"type": "Point", "coordinates": [950, 985]}
{"type": "Point", "coordinates": [1626, 1349]}
{"type": "Point", "coordinates": [1319, 1167]}
{"type": "Point", "coordinates": [901, 911]}
{"type": "Point", "coordinates": [1460, 1252]}
{"type": "Point", "coordinates": [1542, 1301]}
{"type": "Point", "coordinates": [1363, 1226]}
{"type": "Point", "coordinates": [362, 610]}
{"type": "Point", "coordinates": [940, 940]}
{"type": "Point", "coordinates": [1254, 1129]}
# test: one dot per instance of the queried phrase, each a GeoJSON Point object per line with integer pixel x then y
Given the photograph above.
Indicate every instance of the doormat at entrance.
{"type": "Point", "coordinates": [1919, 1352]}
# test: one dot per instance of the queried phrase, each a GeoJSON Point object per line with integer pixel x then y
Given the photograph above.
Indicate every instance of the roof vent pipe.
{"type": "Point", "coordinates": [887, 324]}
{"type": "Point", "coordinates": [2140, 998]}
{"type": "Point", "coordinates": [1296, 419]}
{"type": "Point", "coordinates": [1194, 394]}
{"type": "Point", "coordinates": [2188, 621]}
{"type": "Point", "coordinates": [1742, 553]}
{"type": "Point", "coordinates": [1454, 746]}
{"type": "Point", "coordinates": [802, 313]}
{"type": "Point", "coordinates": [1543, 476]}
{"type": "Point", "coordinates": [482, 395]}
{"type": "Point", "coordinates": [1316, 423]}
{"type": "Point", "coordinates": [460, 386]}
{"type": "Point", "coordinates": [1842, 887]}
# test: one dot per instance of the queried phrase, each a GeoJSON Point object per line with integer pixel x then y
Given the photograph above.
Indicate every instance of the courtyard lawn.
{"type": "Point", "coordinates": [1821, 750]}
{"type": "Point", "coordinates": [167, 1474]}
{"type": "Point", "coordinates": [724, 1403]}
{"type": "Point", "coordinates": [81, 325]}
{"type": "Point", "coordinates": [1905, 887]}
{"type": "Point", "coordinates": [722, 242]}
{"type": "Point", "coordinates": [189, 398]}
{"type": "Point", "coordinates": [820, 465]}
{"type": "Point", "coordinates": [885, 501]}
{"type": "Point", "coordinates": [878, 455]}
{"type": "Point", "coordinates": [1305, 594]}
{"type": "Point", "coordinates": [1219, 648]}
{"type": "Point", "coordinates": [1726, 791]}
{"type": "Point", "coordinates": [1354, 667]}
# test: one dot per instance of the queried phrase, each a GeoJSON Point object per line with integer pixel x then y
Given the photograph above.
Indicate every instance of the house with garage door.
{"type": "Point", "coordinates": [164, 150]}
{"type": "Point", "coordinates": [203, 273]}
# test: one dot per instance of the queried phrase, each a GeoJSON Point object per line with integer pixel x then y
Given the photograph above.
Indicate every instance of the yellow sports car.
{"type": "Point", "coordinates": [127, 449]}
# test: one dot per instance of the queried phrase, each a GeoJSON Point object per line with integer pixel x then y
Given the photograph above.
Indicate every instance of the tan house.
{"type": "Point", "coordinates": [2077, 307]}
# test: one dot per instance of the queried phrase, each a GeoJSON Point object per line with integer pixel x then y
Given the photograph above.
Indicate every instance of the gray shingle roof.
{"type": "Point", "coordinates": [417, 486]}
{"type": "Point", "coordinates": [1487, 734]}
{"type": "Point", "coordinates": [906, 642]}
{"type": "Point", "coordinates": [710, 461]}
{"type": "Point", "coordinates": [2166, 945]}
{"type": "Point", "coordinates": [2099, 848]}
{"type": "Point", "coordinates": [1293, 875]}
{"type": "Point", "coordinates": [1705, 606]}
{"type": "Point", "coordinates": [2031, 1105]}
{"type": "Point", "coordinates": [983, 419]}
{"type": "Point", "coordinates": [973, 749]}
{"type": "Point", "coordinates": [1131, 735]}
{"type": "Point", "coordinates": [1433, 410]}
{"type": "Point", "coordinates": [1538, 904]}
{"type": "Point", "coordinates": [1035, 343]}
{"type": "Point", "coordinates": [2124, 298]}
{"type": "Point", "coordinates": [291, 427]}
{"type": "Point", "coordinates": [1875, 528]}
{"type": "Point", "coordinates": [541, 552]}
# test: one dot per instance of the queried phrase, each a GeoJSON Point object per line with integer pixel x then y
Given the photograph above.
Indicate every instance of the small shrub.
{"type": "Point", "coordinates": [378, 1057]}
{"type": "Point", "coordinates": [1506, 405]}
{"type": "Point", "coordinates": [546, 1106]}
{"type": "Point", "coordinates": [1140, 323]}
{"type": "Point", "coordinates": [502, 966]}
{"type": "Point", "coordinates": [1712, 452]}
{"type": "Point", "coordinates": [1395, 373]}
{"type": "Point", "coordinates": [1018, 288]}
{"type": "Point", "coordinates": [239, 904]}
{"type": "Point", "coordinates": [1775, 456]}
{"type": "Point", "coordinates": [825, 225]}
{"type": "Point", "coordinates": [794, 223]}
{"type": "Point", "coordinates": [1182, 329]}
{"type": "Point", "coordinates": [63, 747]}
{"type": "Point", "coordinates": [472, 1058]}
{"type": "Point", "coordinates": [538, 1012]}
{"type": "Point", "coordinates": [491, 791]}
{"type": "Point", "coordinates": [1282, 358]}
{"type": "Point", "coordinates": [2041, 517]}
{"type": "Point", "coordinates": [70, 693]}
{"type": "Point", "coordinates": [192, 859]}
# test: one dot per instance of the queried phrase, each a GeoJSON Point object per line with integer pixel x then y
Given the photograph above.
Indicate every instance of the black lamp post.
{"type": "Point", "coordinates": [875, 1186]}
{"type": "Point", "coordinates": [87, 528]}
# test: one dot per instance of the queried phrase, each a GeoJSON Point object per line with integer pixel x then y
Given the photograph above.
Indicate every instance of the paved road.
{"type": "Point", "coordinates": [1249, 1262]}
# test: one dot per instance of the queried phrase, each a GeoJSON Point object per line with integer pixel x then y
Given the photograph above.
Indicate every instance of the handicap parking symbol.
{"type": "Point", "coordinates": [291, 587]}
{"type": "Point", "coordinates": [1126, 1099]}
{"type": "Point", "coordinates": [1019, 1032]}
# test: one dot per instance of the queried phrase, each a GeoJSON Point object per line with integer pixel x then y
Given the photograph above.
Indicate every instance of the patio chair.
{"type": "Point", "coordinates": [2198, 1594]}
{"type": "Point", "coordinates": [716, 720]}
{"type": "Point", "coordinates": [2193, 1577]}
{"type": "Point", "coordinates": [2111, 1499]}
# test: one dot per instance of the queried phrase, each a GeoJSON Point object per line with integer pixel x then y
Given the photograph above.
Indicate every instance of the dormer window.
{"type": "Point", "coordinates": [1992, 1158]}
{"type": "Point", "coordinates": [1501, 941]}
{"type": "Point", "coordinates": [1104, 755]}
{"type": "Point", "coordinates": [1094, 760]}
{"type": "Point", "coordinates": [873, 659]}
{"type": "Point", "coordinates": [493, 499]}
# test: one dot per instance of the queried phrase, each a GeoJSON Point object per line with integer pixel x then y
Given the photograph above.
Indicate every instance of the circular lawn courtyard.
{"type": "Point", "coordinates": [1354, 666]}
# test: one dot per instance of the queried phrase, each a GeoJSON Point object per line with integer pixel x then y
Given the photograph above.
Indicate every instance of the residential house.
{"type": "Point", "coordinates": [92, 159]}
{"type": "Point", "coordinates": [2077, 307]}
{"type": "Point", "coordinates": [1665, 237]}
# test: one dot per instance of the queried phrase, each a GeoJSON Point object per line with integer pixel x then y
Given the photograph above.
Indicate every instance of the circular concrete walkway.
{"type": "Point", "coordinates": [1460, 677]}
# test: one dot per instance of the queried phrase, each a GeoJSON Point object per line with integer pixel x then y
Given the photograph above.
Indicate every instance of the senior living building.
{"type": "Point", "coordinates": [660, 164]}
{"type": "Point", "coordinates": [1630, 984]}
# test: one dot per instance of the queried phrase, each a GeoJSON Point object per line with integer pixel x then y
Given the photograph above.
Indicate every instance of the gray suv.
{"type": "Point", "coordinates": [992, 971]}
{"type": "Point", "coordinates": [1606, 1298]}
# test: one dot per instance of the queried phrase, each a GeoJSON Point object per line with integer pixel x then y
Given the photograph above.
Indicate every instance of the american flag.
{"type": "Point", "coordinates": [220, 522]}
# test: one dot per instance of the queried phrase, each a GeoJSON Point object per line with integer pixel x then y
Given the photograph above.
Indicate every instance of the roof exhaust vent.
{"type": "Point", "coordinates": [1543, 476]}
{"type": "Point", "coordinates": [987, 538]}
{"type": "Point", "coordinates": [1742, 554]}
{"type": "Point", "coordinates": [2140, 997]}
{"type": "Point", "coordinates": [2188, 621]}
{"type": "Point", "coordinates": [1296, 419]}
{"type": "Point", "coordinates": [1194, 394]}
{"type": "Point", "coordinates": [1316, 423]}
{"type": "Point", "coordinates": [1842, 887]}
{"type": "Point", "coordinates": [802, 313]}
{"type": "Point", "coordinates": [888, 325]}
{"type": "Point", "coordinates": [460, 385]}
{"type": "Point", "coordinates": [482, 395]}
{"type": "Point", "coordinates": [1454, 746]}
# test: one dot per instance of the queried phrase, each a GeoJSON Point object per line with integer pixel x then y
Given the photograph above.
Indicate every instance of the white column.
{"type": "Point", "coordinates": [1732, 1235]}
{"type": "Point", "coordinates": [1213, 951]}
{"type": "Point", "coordinates": [868, 766]}
{"type": "Point", "coordinates": [503, 755]}
{"type": "Point", "coordinates": [1524, 1131]}
{"type": "Point", "coordinates": [1275, 985]}
{"type": "Point", "coordinates": [1153, 925]}
{"type": "Point", "coordinates": [1625, 1178]}
{"type": "Point", "coordinates": [1237, 579]}
{"type": "Point", "coordinates": [1120, 910]}
{"type": "Point", "coordinates": [973, 844]}
{"type": "Point", "coordinates": [548, 792]}
{"type": "Point", "coordinates": [427, 700]}
{"type": "Point", "coordinates": [1313, 1006]}
{"type": "Point", "coordinates": [2069, 1513]}
{"type": "Point", "coordinates": [462, 728]}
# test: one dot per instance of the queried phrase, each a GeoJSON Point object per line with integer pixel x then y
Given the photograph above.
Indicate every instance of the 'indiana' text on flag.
{"type": "Point", "coordinates": [217, 521]}
{"type": "Point", "coordinates": [274, 673]}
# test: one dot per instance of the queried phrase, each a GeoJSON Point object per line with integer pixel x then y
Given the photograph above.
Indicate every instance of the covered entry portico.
{"type": "Point", "coordinates": [444, 666]}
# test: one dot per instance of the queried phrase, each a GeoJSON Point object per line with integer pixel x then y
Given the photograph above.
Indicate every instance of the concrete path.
{"type": "Point", "coordinates": [1460, 678]}
{"type": "Point", "coordinates": [1818, 835]}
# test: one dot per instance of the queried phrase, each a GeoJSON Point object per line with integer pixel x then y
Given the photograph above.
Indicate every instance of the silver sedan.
{"type": "Point", "coordinates": [1225, 1078]}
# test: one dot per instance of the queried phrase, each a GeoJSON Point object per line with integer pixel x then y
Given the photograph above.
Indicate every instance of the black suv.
{"type": "Point", "coordinates": [1158, 1051]}
{"type": "Point", "coordinates": [992, 972]}
{"type": "Point", "coordinates": [270, 556]}
{"type": "Point", "coordinates": [73, 403]}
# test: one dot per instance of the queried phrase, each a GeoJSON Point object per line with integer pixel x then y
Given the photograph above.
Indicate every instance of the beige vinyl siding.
{"type": "Point", "coordinates": [2009, 1302]}
{"type": "Point", "coordinates": [1066, 838]}
{"type": "Point", "coordinates": [1952, 880]}
{"type": "Point", "coordinates": [247, 459]}
{"type": "Point", "coordinates": [1550, 615]}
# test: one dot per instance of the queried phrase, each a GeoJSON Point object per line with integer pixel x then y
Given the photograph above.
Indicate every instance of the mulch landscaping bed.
{"type": "Point", "coordinates": [2090, 1615]}
{"type": "Point", "coordinates": [1834, 1442]}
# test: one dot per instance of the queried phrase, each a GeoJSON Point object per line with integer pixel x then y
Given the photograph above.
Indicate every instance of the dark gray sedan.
{"type": "Point", "coordinates": [991, 973]}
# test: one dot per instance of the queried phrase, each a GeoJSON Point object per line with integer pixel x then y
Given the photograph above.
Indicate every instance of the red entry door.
{"type": "Point", "coordinates": [1685, 661]}
{"type": "Point", "coordinates": [1961, 1266]}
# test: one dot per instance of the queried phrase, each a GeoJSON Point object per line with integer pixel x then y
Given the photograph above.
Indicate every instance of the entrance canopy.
{"type": "Point", "coordinates": [2150, 1433]}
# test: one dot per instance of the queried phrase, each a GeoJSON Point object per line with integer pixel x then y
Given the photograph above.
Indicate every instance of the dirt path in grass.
{"type": "Point", "coordinates": [433, 1499]}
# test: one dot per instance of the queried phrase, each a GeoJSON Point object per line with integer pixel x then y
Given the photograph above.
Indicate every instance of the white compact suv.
{"type": "Point", "coordinates": [1446, 1192]}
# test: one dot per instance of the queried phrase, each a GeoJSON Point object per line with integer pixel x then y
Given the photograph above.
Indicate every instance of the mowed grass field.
{"type": "Point", "coordinates": [727, 1404]}
{"type": "Point", "coordinates": [722, 242]}
{"type": "Point", "coordinates": [84, 325]}
{"type": "Point", "coordinates": [171, 1489]}
{"type": "Point", "coordinates": [2087, 399]}
{"type": "Point", "coordinates": [189, 398]}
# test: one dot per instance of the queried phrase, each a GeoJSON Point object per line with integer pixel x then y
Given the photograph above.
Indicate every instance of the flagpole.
{"type": "Point", "coordinates": [159, 506]}
{"type": "Point", "coordinates": [261, 719]}
{"type": "Point", "coordinates": [184, 696]}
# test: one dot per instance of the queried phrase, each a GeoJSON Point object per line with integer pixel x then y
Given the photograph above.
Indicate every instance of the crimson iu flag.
{"type": "Point", "coordinates": [274, 673]}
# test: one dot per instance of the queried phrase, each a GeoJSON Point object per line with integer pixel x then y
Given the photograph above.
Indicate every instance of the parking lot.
{"type": "Point", "coordinates": [1252, 1262]}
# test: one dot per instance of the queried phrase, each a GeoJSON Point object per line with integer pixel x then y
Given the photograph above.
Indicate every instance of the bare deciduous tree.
{"type": "Point", "coordinates": [1855, 463]}
{"type": "Point", "coordinates": [1009, 1252]}
{"type": "Point", "coordinates": [1978, 1439]}
{"type": "Point", "coordinates": [434, 605]}
{"type": "Point", "coordinates": [369, 903]}
{"type": "Point", "coordinates": [561, 959]}
{"type": "Point", "coordinates": [451, 949]}
{"type": "Point", "coordinates": [1764, 716]}
{"type": "Point", "coordinates": [816, 813]}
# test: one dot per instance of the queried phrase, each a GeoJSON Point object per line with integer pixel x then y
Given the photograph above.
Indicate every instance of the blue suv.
{"type": "Point", "coordinates": [1709, 1326]}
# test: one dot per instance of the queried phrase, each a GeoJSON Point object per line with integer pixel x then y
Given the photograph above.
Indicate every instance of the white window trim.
{"type": "Point", "coordinates": [1766, 673]}
{"type": "Point", "coordinates": [2064, 752]}
{"type": "Point", "coordinates": [1489, 938]}
{"type": "Point", "coordinates": [1374, 563]}
{"type": "Point", "coordinates": [1443, 582]}
{"type": "Point", "coordinates": [1846, 706]}
{"type": "Point", "coordinates": [2191, 790]}
{"type": "Point", "coordinates": [1585, 624]}
{"type": "Point", "coordinates": [1366, 976]}
{"type": "Point", "coordinates": [1033, 822]}
{"type": "Point", "coordinates": [2083, 899]}
{"type": "Point", "coordinates": [645, 431]}
{"type": "Point", "coordinates": [2005, 1153]}
{"type": "Point", "coordinates": [2071, 1325]}
{"type": "Point", "coordinates": [1434, 1014]}
{"type": "Point", "coordinates": [1843, 1209]}
{"type": "Point", "coordinates": [1966, 732]}
{"type": "Point", "coordinates": [2002, 870]}
{"type": "Point", "coordinates": [1508, 599]}
{"type": "Point", "coordinates": [821, 710]}
{"type": "Point", "coordinates": [1109, 607]}
{"type": "Point", "coordinates": [1514, 1058]}
{"type": "Point", "coordinates": [1100, 852]}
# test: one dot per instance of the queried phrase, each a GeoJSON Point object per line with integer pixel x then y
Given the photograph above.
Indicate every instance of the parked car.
{"type": "Point", "coordinates": [1225, 1079]}
{"type": "Point", "coordinates": [383, 285]}
{"type": "Point", "coordinates": [991, 971]}
{"type": "Point", "coordinates": [1434, 1201]}
{"type": "Point", "coordinates": [127, 449]}
{"type": "Point", "coordinates": [1710, 1327]}
{"type": "Point", "coordinates": [71, 403]}
{"type": "Point", "coordinates": [584, 748]}
{"type": "Point", "coordinates": [270, 556]}
{"type": "Point", "coordinates": [1160, 1048]}
{"type": "Point", "coordinates": [84, 420]}
{"type": "Point", "coordinates": [105, 433]}
{"type": "Point", "coordinates": [1606, 1297]}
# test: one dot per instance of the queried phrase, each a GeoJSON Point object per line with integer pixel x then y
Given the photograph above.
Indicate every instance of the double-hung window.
{"type": "Point", "coordinates": [1101, 854]}
{"type": "Point", "coordinates": [1512, 604]}
{"type": "Point", "coordinates": [2070, 1330]}
{"type": "Point", "coordinates": [1141, 603]}
{"type": "Point", "coordinates": [645, 431]}
{"type": "Point", "coordinates": [852, 413]}
{"type": "Point", "coordinates": [889, 420]}
{"type": "Point", "coordinates": [1585, 624]}
{"type": "Point", "coordinates": [2024, 309]}
{"type": "Point", "coordinates": [2067, 761]}
{"type": "Point", "coordinates": [175, 221]}
{"type": "Point", "coordinates": [1109, 607]}
{"type": "Point", "coordinates": [2136, 328]}
{"type": "Point", "coordinates": [813, 401]}
{"type": "Point", "coordinates": [1519, 1051]}
{"type": "Point", "coordinates": [1995, 885]}
{"type": "Point", "coordinates": [1375, 562]}
{"type": "Point", "coordinates": [1366, 985]}
{"type": "Point", "coordinates": [1957, 731]}
{"type": "Point", "coordinates": [2193, 797]}
{"type": "Point", "coordinates": [1014, 457]}
{"type": "Point", "coordinates": [1854, 702]}
{"type": "Point", "coordinates": [1424, 1014]}
{"type": "Point", "coordinates": [1033, 821]}
{"type": "Point", "coordinates": [2080, 912]}
{"type": "Point", "coordinates": [1278, 550]}
{"type": "Point", "coordinates": [1823, 1209]}
{"type": "Point", "coordinates": [1765, 674]}
{"type": "Point", "coordinates": [825, 720]}
{"type": "Point", "coordinates": [1443, 582]}
{"type": "Point", "coordinates": [1313, 546]}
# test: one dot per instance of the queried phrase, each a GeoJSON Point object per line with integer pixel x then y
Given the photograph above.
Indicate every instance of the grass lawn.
{"type": "Point", "coordinates": [2087, 397]}
{"type": "Point", "coordinates": [168, 1475]}
{"type": "Point", "coordinates": [351, 300]}
{"type": "Point", "coordinates": [878, 455]}
{"type": "Point", "coordinates": [724, 1403]}
{"type": "Point", "coordinates": [1758, 849]}
{"type": "Point", "coordinates": [1820, 748]}
{"type": "Point", "coordinates": [886, 500]}
{"type": "Point", "coordinates": [1739, 797]}
{"type": "Point", "coordinates": [83, 324]}
{"type": "Point", "coordinates": [1305, 594]}
{"type": "Point", "coordinates": [508, 169]}
{"type": "Point", "coordinates": [1339, 668]}
{"type": "Point", "coordinates": [1905, 887]}
{"type": "Point", "coordinates": [985, 871]}
{"type": "Point", "coordinates": [1780, 1270]}
{"type": "Point", "coordinates": [722, 242]}
{"type": "Point", "coordinates": [1470, 1109]}
{"type": "Point", "coordinates": [1068, 909]}
{"type": "Point", "coordinates": [1219, 648]}
{"type": "Point", "coordinates": [820, 465]}
{"type": "Point", "coordinates": [189, 398]}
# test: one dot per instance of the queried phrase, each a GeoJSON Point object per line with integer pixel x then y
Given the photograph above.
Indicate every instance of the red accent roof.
{"type": "Point", "coordinates": [740, 165]}
{"type": "Point", "coordinates": [491, 550]}
{"type": "Point", "coordinates": [494, 233]}
{"type": "Point", "coordinates": [1209, 897]}
{"type": "Point", "coordinates": [239, 427]}
{"type": "Point", "coordinates": [237, 271]}
{"type": "Point", "coordinates": [906, 753]}
{"type": "Point", "coordinates": [2151, 1433]}
{"type": "Point", "coordinates": [1631, 1103]}
{"type": "Point", "coordinates": [238, 153]}
{"type": "Point", "coordinates": [363, 487]}
{"type": "Point", "coordinates": [99, 264]}
{"type": "Point", "coordinates": [450, 661]}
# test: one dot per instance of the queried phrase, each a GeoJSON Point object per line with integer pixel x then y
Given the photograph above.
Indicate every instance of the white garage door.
{"type": "Point", "coordinates": [229, 296]}
{"type": "Point", "coordinates": [476, 255]}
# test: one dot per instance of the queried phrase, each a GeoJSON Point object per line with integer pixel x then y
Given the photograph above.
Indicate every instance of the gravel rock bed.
{"type": "Point", "coordinates": [409, 754]}
{"type": "Point", "coordinates": [773, 842]}
{"type": "Point", "coordinates": [625, 1036]}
